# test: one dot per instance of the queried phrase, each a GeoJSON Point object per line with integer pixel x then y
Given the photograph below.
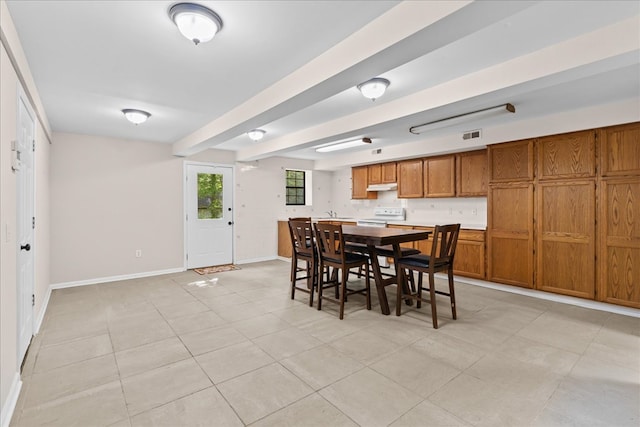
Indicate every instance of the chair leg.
{"type": "Point", "coordinates": [293, 276]}
{"type": "Point", "coordinates": [312, 281]}
{"type": "Point", "coordinates": [368, 286]}
{"type": "Point", "coordinates": [419, 303]}
{"type": "Point", "coordinates": [321, 285]}
{"type": "Point", "coordinates": [432, 296]}
{"type": "Point", "coordinates": [452, 294]}
{"type": "Point", "coordinates": [343, 293]}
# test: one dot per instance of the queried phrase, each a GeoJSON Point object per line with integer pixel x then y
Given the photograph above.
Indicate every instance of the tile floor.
{"type": "Point", "coordinates": [233, 349]}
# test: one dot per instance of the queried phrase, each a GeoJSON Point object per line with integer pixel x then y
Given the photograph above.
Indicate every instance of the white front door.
{"type": "Point", "coordinates": [209, 215]}
{"type": "Point", "coordinates": [25, 223]}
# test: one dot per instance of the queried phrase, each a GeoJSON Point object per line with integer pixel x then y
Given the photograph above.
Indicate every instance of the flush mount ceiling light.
{"type": "Point", "coordinates": [136, 116]}
{"type": "Point", "coordinates": [333, 146]}
{"type": "Point", "coordinates": [195, 22]}
{"type": "Point", "coordinates": [374, 88]}
{"type": "Point", "coordinates": [256, 134]}
{"type": "Point", "coordinates": [462, 118]}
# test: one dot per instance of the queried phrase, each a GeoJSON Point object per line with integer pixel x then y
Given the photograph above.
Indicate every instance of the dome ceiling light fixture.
{"type": "Point", "coordinates": [256, 134]}
{"type": "Point", "coordinates": [196, 22]}
{"type": "Point", "coordinates": [136, 116]}
{"type": "Point", "coordinates": [374, 88]}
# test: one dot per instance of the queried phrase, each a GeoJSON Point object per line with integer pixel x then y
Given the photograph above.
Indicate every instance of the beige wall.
{"type": "Point", "coordinates": [110, 197]}
{"type": "Point", "coordinates": [9, 83]}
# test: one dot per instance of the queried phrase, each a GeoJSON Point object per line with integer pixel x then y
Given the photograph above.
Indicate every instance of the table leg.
{"type": "Point", "coordinates": [380, 282]}
{"type": "Point", "coordinates": [397, 254]}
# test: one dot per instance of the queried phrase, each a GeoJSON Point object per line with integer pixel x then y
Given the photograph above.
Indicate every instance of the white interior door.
{"type": "Point", "coordinates": [25, 224]}
{"type": "Point", "coordinates": [209, 215]}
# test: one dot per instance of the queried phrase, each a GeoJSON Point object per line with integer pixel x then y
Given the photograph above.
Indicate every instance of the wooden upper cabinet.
{"type": "Point", "coordinates": [359, 183]}
{"type": "Point", "coordinates": [620, 150]}
{"type": "Point", "coordinates": [570, 155]}
{"type": "Point", "coordinates": [472, 173]}
{"type": "Point", "coordinates": [440, 176]}
{"type": "Point", "coordinates": [375, 174]}
{"type": "Point", "coordinates": [410, 178]}
{"type": "Point", "coordinates": [389, 173]}
{"type": "Point", "coordinates": [511, 161]}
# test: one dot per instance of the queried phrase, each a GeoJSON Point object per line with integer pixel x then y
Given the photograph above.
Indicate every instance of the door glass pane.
{"type": "Point", "coordinates": [209, 196]}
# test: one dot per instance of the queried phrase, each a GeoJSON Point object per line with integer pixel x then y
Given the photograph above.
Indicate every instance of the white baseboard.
{"type": "Point", "coordinates": [9, 405]}
{"type": "Point", "coordinates": [115, 278]}
{"type": "Point", "coordinates": [564, 299]}
{"type": "Point", "coordinates": [43, 310]}
{"type": "Point", "coordinates": [252, 260]}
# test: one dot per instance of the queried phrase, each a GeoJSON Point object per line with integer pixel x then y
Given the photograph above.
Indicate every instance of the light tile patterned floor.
{"type": "Point", "coordinates": [233, 349]}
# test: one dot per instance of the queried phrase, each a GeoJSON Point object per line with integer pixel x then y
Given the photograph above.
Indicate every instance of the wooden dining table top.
{"type": "Point", "coordinates": [379, 236]}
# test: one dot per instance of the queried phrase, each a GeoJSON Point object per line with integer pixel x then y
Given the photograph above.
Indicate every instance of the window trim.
{"type": "Point", "coordinates": [303, 187]}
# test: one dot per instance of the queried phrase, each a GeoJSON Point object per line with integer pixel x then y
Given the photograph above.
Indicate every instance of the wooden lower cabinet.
{"type": "Point", "coordinates": [470, 254]}
{"type": "Point", "coordinates": [619, 251]}
{"type": "Point", "coordinates": [510, 234]}
{"type": "Point", "coordinates": [470, 257]}
{"type": "Point", "coordinates": [284, 240]}
{"type": "Point", "coordinates": [565, 237]}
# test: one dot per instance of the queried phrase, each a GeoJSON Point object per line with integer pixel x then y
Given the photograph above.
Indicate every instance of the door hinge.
{"type": "Point", "coordinates": [33, 222]}
{"type": "Point", "coordinates": [34, 145]}
{"type": "Point", "coordinates": [187, 257]}
{"type": "Point", "coordinates": [186, 217]}
{"type": "Point", "coordinates": [33, 300]}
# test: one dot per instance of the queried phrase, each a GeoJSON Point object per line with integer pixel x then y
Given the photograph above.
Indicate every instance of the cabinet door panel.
{"type": "Point", "coordinates": [472, 171]}
{"type": "Point", "coordinates": [469, 259]}
{"type": "Point", "coordinates": [620, 150]}
{"type": "Point", "coordinates": [619, 261]}
{"type": "Point", "coordinates": [510, 234]}
{"type": "Point", "coordinates": [410, 178]}
{"type": "Point", "coordinates": [439, 177]}
{"type": "Point", "coordinates": [284, 240]}
{"type": "Point", "coordinates": [566, 238]}
{"type": "Point", "coordinates": [375, 174]}
{"type": "Point", "coordinates": [570, 155]}
{"type": "Point", "coordinates": [389, 173]}
{"type": "Point", "coordinates": [511, 161]}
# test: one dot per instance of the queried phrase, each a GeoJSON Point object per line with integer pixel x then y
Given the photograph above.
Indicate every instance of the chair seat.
{"type": "Point", "coordinates": [420, 261]}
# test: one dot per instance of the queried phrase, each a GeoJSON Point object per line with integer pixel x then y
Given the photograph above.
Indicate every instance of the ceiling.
{"type": "Point", "coordinates": [291, 67]}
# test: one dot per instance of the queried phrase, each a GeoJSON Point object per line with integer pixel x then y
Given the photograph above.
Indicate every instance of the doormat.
{"type": "Point", "coordinates": [216, 269]}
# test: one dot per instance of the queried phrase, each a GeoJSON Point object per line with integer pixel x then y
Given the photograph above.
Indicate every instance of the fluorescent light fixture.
{"type": "Point", "coordinates": [136, 116]}
{"type": "Point", "coordinates": [332, 146]}
{"type": "Point", "coordinates": [374, 88]}
{"type": "Point", "coordinates": [195, 22]}
{"type": "Point", "coordinates": [256, 134]}
{"type": "Point", "coordinates": [462, 118]}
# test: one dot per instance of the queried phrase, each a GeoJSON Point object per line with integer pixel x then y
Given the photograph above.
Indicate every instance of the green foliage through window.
{"type": "Point", "coordinates": [209, 196]}
{"type": "Point", "coordinates": [295, 188]}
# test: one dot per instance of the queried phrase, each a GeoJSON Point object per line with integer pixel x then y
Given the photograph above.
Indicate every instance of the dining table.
{"type": "Point", "coordinates": [379, 236]}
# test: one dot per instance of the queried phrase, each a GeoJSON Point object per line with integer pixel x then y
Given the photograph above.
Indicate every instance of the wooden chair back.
{"type": "Point", "coordinates": [443, 250]}
{"type": "Point", "coordinates": [330, 241]}
{"type": "Point", "coordinates": [302, 236]}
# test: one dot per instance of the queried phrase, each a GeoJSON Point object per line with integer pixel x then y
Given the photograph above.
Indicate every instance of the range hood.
{"type": "Point", "coordinates": [382, 187]}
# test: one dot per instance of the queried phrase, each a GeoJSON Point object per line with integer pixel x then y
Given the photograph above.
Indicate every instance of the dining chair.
{"type": "Point", "coordinates": [303, 250]}
{"type": "Point", "coordinates": [331, 252]}
{"type": "Point", "coordinates": [443, 249]}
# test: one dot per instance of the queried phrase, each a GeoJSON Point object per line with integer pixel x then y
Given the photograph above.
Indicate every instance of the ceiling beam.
{"type": "Point", "coordinates": [409, 30]}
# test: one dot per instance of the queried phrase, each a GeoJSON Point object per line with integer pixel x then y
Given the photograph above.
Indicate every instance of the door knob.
{"type": "Point", "coordinates": [230, 222]}
{"type": "Point", "coordinates": [26, 247]}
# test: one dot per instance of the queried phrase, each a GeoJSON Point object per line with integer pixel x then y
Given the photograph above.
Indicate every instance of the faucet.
{"type": "Point", "coordinates": [332, 214]}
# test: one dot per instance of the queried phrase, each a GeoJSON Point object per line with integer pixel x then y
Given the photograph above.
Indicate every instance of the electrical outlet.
{"type": "Point", "coordinates": [450, 211]}
{"type": "Point", "coordinates": [474, 211]}
{"type": "Point", "coordinates": [138, 253]}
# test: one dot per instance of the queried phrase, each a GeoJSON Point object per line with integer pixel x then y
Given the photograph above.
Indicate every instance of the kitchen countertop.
{"type": "Point", "coordinates": [465, 226]}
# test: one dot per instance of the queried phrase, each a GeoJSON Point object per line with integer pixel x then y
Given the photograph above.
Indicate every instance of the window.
{"type": "Point", "coordinates": [295, 187]}
{"type": "Point", "coordinates": [209, 196]}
